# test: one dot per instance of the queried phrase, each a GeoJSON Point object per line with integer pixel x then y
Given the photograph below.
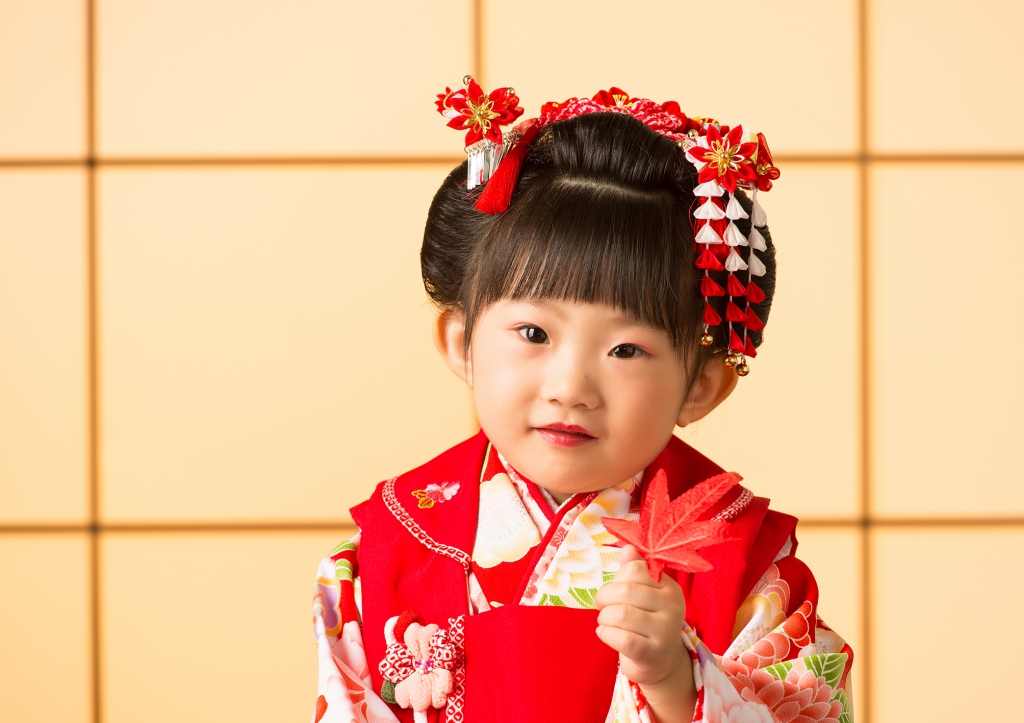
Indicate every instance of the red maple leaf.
{"type": "Point", "coordinates": [669, 533]}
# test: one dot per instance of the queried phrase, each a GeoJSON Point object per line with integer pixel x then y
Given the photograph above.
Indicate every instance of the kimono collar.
{"type": "Point", "coordinates": [532, 494]}
{"type": "Point", "coordinates": [443, 517]}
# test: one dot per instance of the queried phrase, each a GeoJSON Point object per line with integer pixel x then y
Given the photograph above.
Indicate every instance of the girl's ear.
{"type": "Point", "coordinates": [448, 333]}
{"type": "Point", "coordinates": [714, 385]}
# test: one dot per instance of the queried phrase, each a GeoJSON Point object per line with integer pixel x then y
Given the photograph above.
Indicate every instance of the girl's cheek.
{"type": "Point", "coordinates": [651, 396]}
{"type": "Point", "coordinates": [501, 377]}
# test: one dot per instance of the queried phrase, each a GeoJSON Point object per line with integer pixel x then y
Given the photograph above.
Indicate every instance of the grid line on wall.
{"type": "Point", "coordinates": [476, 29]}
{"type": "Point", "coordinates": [866, 523]}
{"type": "Point", "coordinates": [92, 368]}
{"type": "Point", "coordinates": [865, 160]}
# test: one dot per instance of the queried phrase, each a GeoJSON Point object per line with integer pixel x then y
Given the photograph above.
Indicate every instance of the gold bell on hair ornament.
{"type": "Point", "coordinates": [738, 361]}
{"type": "Point", "coordinates": [707, 339]}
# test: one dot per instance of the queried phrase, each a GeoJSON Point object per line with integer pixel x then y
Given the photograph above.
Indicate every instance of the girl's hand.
{"type": "Point", "coordinates": [643, 620]}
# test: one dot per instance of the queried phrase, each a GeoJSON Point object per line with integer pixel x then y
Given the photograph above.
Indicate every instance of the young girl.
{"type": "Point", "coordinates": [601, 277]}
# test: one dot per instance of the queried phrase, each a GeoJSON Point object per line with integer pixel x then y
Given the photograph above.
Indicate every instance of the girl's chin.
{"type": "Point", "coordinates": [566, 480]}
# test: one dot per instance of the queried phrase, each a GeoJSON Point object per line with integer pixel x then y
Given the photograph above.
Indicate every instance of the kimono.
{"type": "Point", "coordinates": [468, 596]}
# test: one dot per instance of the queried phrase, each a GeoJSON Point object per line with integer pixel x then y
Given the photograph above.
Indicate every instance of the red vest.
{"type": "Point", "coordinates": [526, 663]}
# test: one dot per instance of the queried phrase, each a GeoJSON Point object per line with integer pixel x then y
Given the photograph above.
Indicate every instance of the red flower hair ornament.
{"type": "Point", "coordinates": [481, 115]}
{"type": "Point", "coordinates": [726, 159]}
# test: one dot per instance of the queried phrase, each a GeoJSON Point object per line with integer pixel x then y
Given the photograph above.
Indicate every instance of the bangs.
{"type": "Point", "coordinates": [593, 241]}
{"type": "Point", "coordinates": [600, 214]}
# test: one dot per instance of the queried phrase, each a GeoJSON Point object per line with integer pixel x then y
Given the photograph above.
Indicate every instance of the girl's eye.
{"type": "Point", "coordinates": [533, 334]}
{"type": "Point", "coordinates": [626, 351]}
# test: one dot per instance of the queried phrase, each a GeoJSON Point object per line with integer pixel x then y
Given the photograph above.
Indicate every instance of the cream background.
{"type": "Point", "coordinates": [212, 329]}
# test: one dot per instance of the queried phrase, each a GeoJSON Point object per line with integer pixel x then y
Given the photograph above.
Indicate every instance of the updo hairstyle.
{"type": "Point", "coordinates": [600, 214]}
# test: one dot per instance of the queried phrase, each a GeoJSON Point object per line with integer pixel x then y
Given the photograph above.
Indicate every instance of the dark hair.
{"type": "Point", "coordinates": [600, 214]}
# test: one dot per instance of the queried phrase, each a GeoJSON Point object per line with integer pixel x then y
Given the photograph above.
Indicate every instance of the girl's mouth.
{"type": "Point", "coordinates": [565, 435]}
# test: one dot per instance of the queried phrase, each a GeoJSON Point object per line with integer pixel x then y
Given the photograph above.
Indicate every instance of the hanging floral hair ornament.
{"type": "Point", "coordinates": [726, 158]}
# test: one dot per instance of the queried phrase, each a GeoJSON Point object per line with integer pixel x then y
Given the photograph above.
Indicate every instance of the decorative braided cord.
{"type": "Point", "coordinates": [406, 520]}
{"type": "Point", "coordinates": [735, 508]}
{"type": "Point", "coordinates": [457, 696]}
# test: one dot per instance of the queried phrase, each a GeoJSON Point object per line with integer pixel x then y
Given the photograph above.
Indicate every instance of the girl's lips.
{"type": "Point", "coordinates": [565, 435]}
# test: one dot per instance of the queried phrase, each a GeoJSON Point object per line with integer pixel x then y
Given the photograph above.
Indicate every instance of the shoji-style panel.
{"type": "Point", "coordinates": [266, 341]}
{"type": "Point", "coordinates": [44, 417]}
{"type": "Point", "coordinates": [42, 79]}
{"type": "Point", "coordinates": [787, 68]}
{"type": "Point", "coordinates": [237, 77]}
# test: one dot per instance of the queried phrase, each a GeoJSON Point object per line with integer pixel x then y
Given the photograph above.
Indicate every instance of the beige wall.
{"type": "Point", "coordinates": [213, 328]}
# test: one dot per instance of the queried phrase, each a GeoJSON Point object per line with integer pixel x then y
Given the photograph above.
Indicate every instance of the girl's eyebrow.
{"type": "Point", "coordinates": [618, 322]}
{"type": "Point", "coordinates": [625, 320]}
{"type": "Point", "coordinates": [540, 305]}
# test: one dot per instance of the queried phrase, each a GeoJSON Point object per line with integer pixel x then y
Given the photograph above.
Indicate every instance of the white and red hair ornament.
{"type": "Point", "coordinates": [726, 158]}
{"type": "Point", "coordinates": [423, 666]}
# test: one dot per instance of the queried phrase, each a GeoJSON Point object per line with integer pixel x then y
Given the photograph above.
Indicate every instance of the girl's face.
{"type": "Point", "coordinates": [578, 397]}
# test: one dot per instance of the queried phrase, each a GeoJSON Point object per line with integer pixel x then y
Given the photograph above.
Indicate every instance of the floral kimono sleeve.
{"type": "Point", "coordinates": [345, 694]}
{"type": "Point", "coordinates": [779, 667]}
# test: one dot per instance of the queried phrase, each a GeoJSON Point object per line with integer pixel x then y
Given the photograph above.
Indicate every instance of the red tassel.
{"type": "Point", "coordinates": [735, 343]}
{"type": "Point", "coordinates": [497, 194]}
{"type": "Point", "coordinates": [734, 313]}
{"type": "Point", "coordinates": [751, 321]}
{"type": "Point", "coordinates": [735, 287]}
{"type": "Point", "coordinates": [749, 349]}
{"type": "Point", "coordinates": [711, 317]}
{"type": "Point", "coordinates": [708, 287]}
{"type": "Point", "coordinates": [754, 293]}
{"type": "Point", "coordinates": [708, 261]}
{"type": "Point", "coordinates": [721, 251]}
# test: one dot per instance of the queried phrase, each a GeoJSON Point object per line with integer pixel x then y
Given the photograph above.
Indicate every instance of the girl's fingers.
{"type": "Point", "coordinates": [630, 644]}
{"type": "Point", "coordinates": [645, 597]}
{"type": "Point", "coordinates": [628, 554]}
{"type": "Point", "coordinates": [636, 571]}
{"type": "Point", "coordinates": [632, 567]}
{"type": "Point", "coordinates": [632, 620]}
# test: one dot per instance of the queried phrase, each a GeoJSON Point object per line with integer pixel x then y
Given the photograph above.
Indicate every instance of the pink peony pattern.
{"type": "Point", "coordinates": [800, 697]}
{"type": "Point", "coordinates": [435, 493]}
{"type": "Point", "coordinates": [723, 704]}
{"type": "Point", "coordinates": [442, 491]}
{"type": "Point", "coordinates": [793, 634]}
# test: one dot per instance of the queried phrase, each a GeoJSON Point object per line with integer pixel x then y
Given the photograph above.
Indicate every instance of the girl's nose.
{"type": "Point", "coordinates": [568, 382]}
